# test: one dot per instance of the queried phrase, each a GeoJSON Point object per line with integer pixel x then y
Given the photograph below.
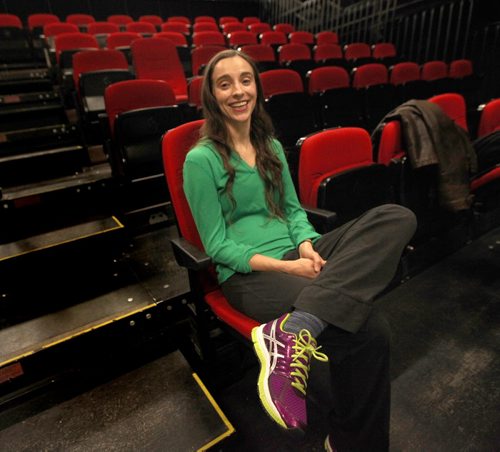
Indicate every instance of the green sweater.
{"type": "Point", "coordinates": [231, 236]}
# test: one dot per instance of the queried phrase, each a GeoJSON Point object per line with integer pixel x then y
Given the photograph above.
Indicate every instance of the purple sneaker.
{"type": "Point", "coordinates": [285, 362]}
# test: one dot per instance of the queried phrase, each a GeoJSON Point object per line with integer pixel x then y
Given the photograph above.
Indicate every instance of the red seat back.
{"type": "Point", "coordinates": [328, 77]}
{"type": "Point", "coordinates": [57, 28]}
{"type": "Point", "coordinates": [158, 59]}
{"type": "Point", "coordinates": [231, 27]}
{"type": "Point", "coordinates": [301, 37]}
{"type": "Point", "coordinates": [141, 27]}
{"type": "Point", "coordinates": [199, 19]}
{"type": "Point", "coordinates": [357, 50]}
{"type": "Point", "coordinates": [453, 105]}
{"type": "Point", "coordinates": [204, 38]}
{"type": "Point", "coordinates": [273, 38]}
{"type": "Point", "coordinates": [194, 90]}
{"type": "Point", "coordinates": [179, 39]}
{"type": "Point", "coordinates": [175, 145]}
{"type": "Point", "coordinates": [80, 19]}
{"type": "Point", "coordinates": [250, 20]}
{"type": "Point", "coordinates": [120, 19]}
{"type": "Point", "coordinates": [182, 19]}
{"type": "Point", "coordinates": [327, 52]}
{"type": "Point", "coordinates": [73, 41]}
{"type": "Point", "coordinates": [461, 68]}
{"type": "Point", "coordinates": [178, 27]}
{"type": "Point", "coordinates": [330, 152]}
{"type": "Point", "coordinates": [97, 60]}
{"type": "Point", "coordinates": [205, 26]}
{"type": "Point", "coordinates": [293, 52]}
{"type": "Point", "coordinates": [490, 118]}
{"type": "Point", "coordinates": [405, 72]}
{"type": "Point", "coordinates": [259, 28]}
{"type": "Point", "coordinates": [10, 20]}
{"type": "Point", "coordinates": [284, 28]}
{"type": "Point", "coordinates": [369, 75]}
{"type": "Point", "coordinates": [95, 28]}
{"type": "Point", "coordinates": [327, 37]}
{"type": "Point", "coordinates": [390, 145]}
{"type": "Point", "coordinates": [259, 52]}
{"type": "Point", "coordinates": [152, 19]}
{"type": "Point", "coordinates": [384, 50]}
{"type": "Point", "coordinates": [227, 19]}
{"type": "Point", "coordinates": [133, 94]}
{"type": "Point", "coordinates": [281, 81]}
{"type": "Point", "coordinates": [434, 70]}
{"type": "Point", "coordinates": [121, 39]}
{"type": "Point", "coordinates": [200, 56]}
{"type": "Point", "coordinates": [41, 19]}
{"type": "Point", "coordinates": [240, 38]}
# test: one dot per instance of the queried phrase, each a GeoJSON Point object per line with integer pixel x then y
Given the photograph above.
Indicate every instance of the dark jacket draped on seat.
{"type": "Point", "coordinates": [432, 138]}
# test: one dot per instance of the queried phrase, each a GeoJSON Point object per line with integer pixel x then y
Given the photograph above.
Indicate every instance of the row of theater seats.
{"type": "Point", "coordinates": [331, 96]}
{"type": "Point", "coordinates": [182, 24]}
{"type": "Point", "coordinates": [332, 100]}
{"type": "Point", "coordinates": [139, 111]}
{"type": "Point", "coordinates": [285, 105]}
{"type": "Point", "coordinates": [298, 47]}
{"type": "Point", "coordinates": [338, 99]}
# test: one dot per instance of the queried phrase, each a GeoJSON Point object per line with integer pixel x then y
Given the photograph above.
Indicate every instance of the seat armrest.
{"type": "Point", "coordinates": [189, 256]}
{"type": "Point", "coordinates": [322, 220]}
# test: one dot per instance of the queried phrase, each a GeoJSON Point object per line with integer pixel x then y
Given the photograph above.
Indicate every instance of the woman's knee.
{"type": "Point", "coordinates": [403, 219]}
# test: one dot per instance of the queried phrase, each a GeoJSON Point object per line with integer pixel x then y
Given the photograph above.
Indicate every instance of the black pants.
{"type": "Point", "coordinates": [362, 257]}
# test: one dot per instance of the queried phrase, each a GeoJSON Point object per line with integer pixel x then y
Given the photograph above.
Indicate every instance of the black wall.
{"type": "Point", "coordinates": [100, 9]}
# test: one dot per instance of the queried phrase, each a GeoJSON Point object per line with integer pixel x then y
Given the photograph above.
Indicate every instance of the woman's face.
{"type": "Point", "coordinates": [234, 88]}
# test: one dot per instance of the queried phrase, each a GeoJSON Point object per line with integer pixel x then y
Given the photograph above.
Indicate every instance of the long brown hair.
{"type": "Point", "coordinates": [261, 133]}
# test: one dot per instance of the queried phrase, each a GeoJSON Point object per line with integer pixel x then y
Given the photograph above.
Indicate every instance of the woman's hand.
{"type": "Point", "coordinates": [301, 267]}
{"type": "Point", "coordinates": [308, 265]}
{"type": "Point", "coordinates": [306, 251]}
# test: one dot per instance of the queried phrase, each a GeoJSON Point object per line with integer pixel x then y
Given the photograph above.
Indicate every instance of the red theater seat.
{"type": "Point", "coordinates": [157, 59]}
{"type": "Point", "coordinates": [188, 249]}
{"type": "Point", "coordinates": [337, 173]}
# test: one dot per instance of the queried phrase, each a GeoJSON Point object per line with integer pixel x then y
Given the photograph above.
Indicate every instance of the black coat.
{"type": "Point", "coordinates": [430, 138]}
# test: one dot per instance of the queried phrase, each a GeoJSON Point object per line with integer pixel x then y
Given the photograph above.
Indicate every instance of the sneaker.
{"type": "Point", "coordinates": [328, 445]}
{"type": "Point", "coordinates": [285, 362]}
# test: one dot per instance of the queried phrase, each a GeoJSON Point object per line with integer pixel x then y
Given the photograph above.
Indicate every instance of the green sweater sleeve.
{"type": "Point", "coordinates": [299, 226]}
{"type": "Point", "coordinates": [199, 174]}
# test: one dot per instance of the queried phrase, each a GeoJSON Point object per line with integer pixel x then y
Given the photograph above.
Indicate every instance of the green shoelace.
{"type": "Point", "coordinates": [305, 347]}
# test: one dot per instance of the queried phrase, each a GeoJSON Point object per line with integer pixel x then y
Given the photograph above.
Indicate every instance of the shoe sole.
{"type": "Point", "coordinates": [328, 448]}
{"type": "Point", "coordinates": [262, 383]}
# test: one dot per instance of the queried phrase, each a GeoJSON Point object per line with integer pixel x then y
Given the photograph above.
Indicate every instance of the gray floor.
{"type": "Point", "coordinates": [158, 406]}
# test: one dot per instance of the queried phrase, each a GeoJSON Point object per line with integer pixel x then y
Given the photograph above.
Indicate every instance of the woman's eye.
{"type": "Point", "coordinates": [247, 81]}
{"type": "Point", "coordinates": [224, 85]}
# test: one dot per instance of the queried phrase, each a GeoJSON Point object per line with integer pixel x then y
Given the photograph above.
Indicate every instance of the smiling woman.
{"type": "Point", "coordinates": [270, 261]}
{"type": "Point", "coordinates": [235, 91]}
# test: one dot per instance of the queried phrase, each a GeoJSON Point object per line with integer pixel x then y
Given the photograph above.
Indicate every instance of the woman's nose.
{"type": "Point", "coordinates": [238, 89]}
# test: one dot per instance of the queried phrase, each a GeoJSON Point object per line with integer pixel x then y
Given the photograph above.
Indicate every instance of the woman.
{"type": "Point", "coordinates": [275, 268]}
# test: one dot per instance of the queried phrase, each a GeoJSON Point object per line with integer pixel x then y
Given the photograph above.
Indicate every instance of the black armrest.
{"type": "Point", "coordinates": [322, 220]}
{"type": "Point", "coordinates": [189, 256]}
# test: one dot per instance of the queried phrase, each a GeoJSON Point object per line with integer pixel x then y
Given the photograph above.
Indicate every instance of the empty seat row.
{"type": "Point", "coordinates": [39, 19]}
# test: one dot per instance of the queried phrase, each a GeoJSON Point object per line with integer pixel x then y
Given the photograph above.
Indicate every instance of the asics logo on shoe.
{"type": "Point", "coordinates": [273, 343]}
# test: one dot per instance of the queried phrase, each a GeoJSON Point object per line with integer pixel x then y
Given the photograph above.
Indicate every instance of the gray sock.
{"type": "Point", "coordinates": [300, 320]}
